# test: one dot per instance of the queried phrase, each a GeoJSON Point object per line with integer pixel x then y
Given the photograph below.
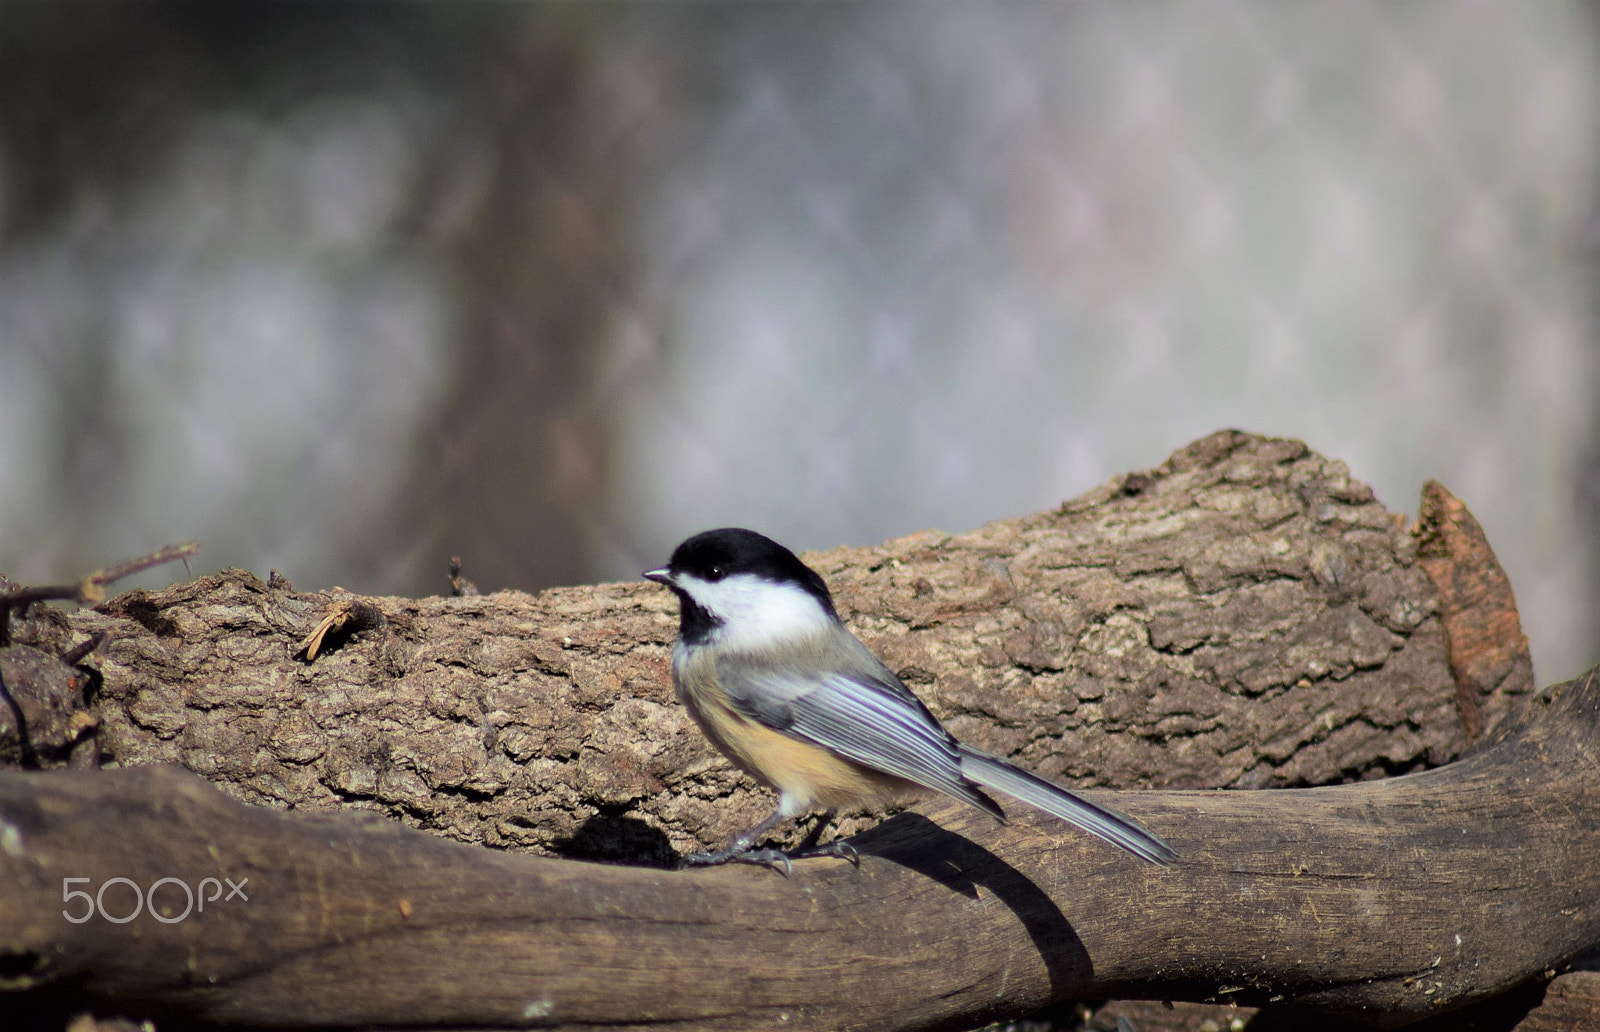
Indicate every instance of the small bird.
{"type": "Point", "coordinates": [783, 689]}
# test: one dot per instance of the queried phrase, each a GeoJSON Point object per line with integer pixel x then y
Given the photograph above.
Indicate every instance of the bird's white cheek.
{"type": "Point", "coordinates": [755, 612]}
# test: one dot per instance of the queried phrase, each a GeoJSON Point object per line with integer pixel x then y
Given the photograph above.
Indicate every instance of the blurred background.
{"type": "Point", "coordinates": [342, 289]}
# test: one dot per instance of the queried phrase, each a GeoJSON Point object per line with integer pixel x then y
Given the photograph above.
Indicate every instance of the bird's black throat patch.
{"type": "Point", "coordinates": [695, 622]}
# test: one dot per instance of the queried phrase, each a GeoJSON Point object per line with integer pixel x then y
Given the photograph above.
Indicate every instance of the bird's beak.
{"type": "Point", "coordinates": [661, 576]}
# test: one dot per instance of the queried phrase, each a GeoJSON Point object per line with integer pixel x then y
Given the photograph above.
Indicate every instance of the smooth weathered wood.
{"type": "Point", "coordinates": [1385, 900]}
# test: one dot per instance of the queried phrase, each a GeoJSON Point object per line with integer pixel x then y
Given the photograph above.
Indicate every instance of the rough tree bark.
{"type": "Point", "coordinates": [1243, 616]}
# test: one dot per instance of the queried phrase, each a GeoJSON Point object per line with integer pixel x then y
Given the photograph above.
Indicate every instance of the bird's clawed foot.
{"type": "Point", "coordinates": [740, 850]}
{"type": "Point", "coordinates": [776, 859]}
{"type": "Point", "coordinates": [838, 847]}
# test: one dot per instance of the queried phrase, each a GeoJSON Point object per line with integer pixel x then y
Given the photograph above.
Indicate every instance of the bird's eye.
{"type": "Point", "coordinates": [715, 573]}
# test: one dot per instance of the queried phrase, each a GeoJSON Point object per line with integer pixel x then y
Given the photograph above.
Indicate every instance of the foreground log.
{"type": "Point", "coordinates": [1384, 900]}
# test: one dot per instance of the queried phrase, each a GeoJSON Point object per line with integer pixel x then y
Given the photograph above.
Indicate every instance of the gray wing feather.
{"type": "Point", "coordinates": [837, 694]}
{"type": "Point", "coordinates": [993, 772]}
{"type": "Point", "coordinates": [860, 711]}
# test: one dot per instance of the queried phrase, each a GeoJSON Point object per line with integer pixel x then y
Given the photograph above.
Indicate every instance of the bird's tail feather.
{"type": "Point", "coordinates": [995, 773]}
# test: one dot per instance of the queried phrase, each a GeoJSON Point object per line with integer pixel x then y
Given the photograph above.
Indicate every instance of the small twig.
{"type": "Point", "coordinates": [350, 615]}
{"type": "Point", "coordinates": [101, 578]}
{"type": "Point", "coordinates": [460, 587]}
{"type": "Point", "coordinates": [76, 654]}
{"type": "Point", "coordinates": [91, 590]}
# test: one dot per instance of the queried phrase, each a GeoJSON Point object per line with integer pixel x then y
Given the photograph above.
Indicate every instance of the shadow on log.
{"type": "Point", "coordinates": [1387, 901]}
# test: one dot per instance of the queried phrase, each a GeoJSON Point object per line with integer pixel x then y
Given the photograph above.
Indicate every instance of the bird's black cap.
{"type": "Point", "coordinates": [714, 554]}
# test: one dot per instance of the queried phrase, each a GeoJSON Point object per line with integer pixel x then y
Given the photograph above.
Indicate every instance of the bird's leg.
{"type": "Point", "coordinates": [739, 852]}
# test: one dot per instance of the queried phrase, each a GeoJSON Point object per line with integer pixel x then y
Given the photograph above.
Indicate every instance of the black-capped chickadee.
{"type": "Point", "coordinates": [787, 693]}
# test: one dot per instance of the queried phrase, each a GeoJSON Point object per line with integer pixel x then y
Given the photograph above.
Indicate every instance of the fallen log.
{"type": "Point", "coordinates": [1386, 901]}
{"type": "Point", "coordinates": [1245, 615]}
